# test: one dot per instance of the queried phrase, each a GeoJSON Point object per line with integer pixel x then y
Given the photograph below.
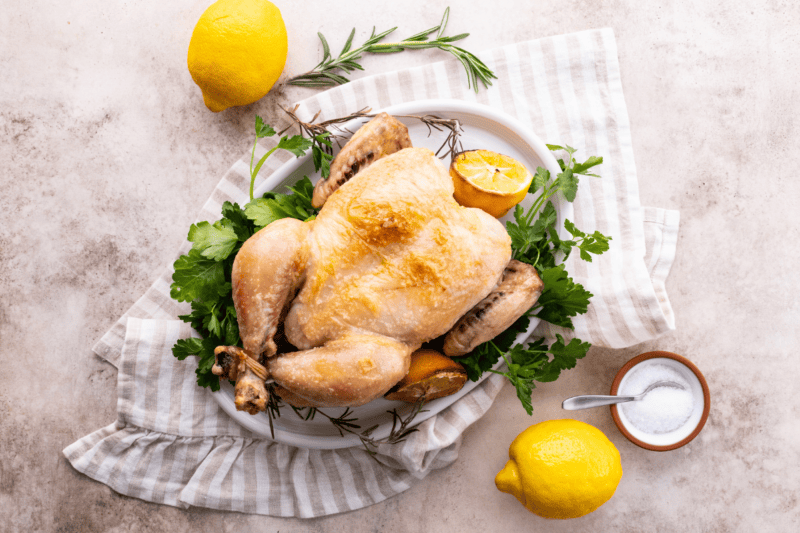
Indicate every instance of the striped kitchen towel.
{"type": "Point", "coordinates": [173, 444]}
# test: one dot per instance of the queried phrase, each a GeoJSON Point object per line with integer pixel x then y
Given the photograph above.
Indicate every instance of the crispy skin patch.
{"type": "Point", "coordinates": [381, 224]}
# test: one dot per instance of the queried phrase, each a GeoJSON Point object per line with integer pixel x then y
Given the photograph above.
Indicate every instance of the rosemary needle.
{"type": "Point", "coordinates": [329, 71]}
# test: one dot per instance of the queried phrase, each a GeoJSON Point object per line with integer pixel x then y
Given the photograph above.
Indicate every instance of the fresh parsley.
{"type": "Point", "coordinates": [203, 276]}
{"type": "Point", "coordinates": [271, 207]}
{"type": "Point", "coordinates": [532, 363]}
{"type": "Point", "coordinates": [322, 153]}
{"type": "Point", "coordinates": [535, 240]}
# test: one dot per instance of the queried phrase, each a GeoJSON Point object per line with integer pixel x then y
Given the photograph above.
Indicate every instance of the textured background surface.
{"type": "Point", "coordinates": [107, 152]}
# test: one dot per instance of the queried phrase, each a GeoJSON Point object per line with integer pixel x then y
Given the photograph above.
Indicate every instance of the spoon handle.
{"type": "Point", "coordinates": [593, 400]}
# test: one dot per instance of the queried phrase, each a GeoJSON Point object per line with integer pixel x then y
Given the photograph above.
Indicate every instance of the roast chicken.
{"type": "Point", "coordinates": [391, 262]}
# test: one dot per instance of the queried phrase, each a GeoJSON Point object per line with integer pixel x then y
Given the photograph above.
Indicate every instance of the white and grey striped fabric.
{"type": "Point", "coordinates": [172, 444]}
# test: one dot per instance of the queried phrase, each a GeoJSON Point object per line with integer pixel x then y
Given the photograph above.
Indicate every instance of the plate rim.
{"type": "Point", "coordinates": [429, 106]}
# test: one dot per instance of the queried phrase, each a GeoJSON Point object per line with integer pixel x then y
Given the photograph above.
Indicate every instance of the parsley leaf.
{"type": "Point", "coordinates": [596, 243]}
{"type": "Point", "coordinates": [186, 347]}
{"type": "Point", "coordinates": [565, 357]}
{"type": "Point", "coordinates": [198, 278]}
{"type": "Point", "coordinates": [567, 183]}
{"type": "Point", "coordinates": [321, 156]}
{"type": "Point", "coordinates": [575, 232]}
{"type": "Point", "coordinates": [304, 192]}
{"type": "Point", "coordinates": [521, 238]}
{"type": "Point", "coordinates": [522, 365]}
{"type": "Point", "coordinates": [205, 377]}
{"type": "Point", "coordinates": [561, 298]}
{"type": "Point", "coordinates": [297, 144]}
{"type": "Point", "coordinates": [230, 327]}
{"type": "Point", "coordinates": [265, 211]}
{"type": "Point", "coordinates": [204, 350]}
{"type": "Point", "coordinates": [263, 129]}
{"type": "Point", "coordinates": [241, 225]}
{"type": "Point", "coordinates": [581, 168]}
{"type": "Point", "coordinates": [566, 148]}
{"type": "Point", "coordinates": [484, 357]}
{"type": "Point", "coordinates": [540, 180]}
{"type": "Point", "coordinates": [532, 363]}
{"type": "Point", "coordinates": [214, 241]}
{"type": "Point", "coordinates": [212, 323]}
{"type": "Point", "coordinates": [271, 207]}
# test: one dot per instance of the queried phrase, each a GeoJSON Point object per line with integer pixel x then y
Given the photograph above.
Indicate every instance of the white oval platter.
{"type": "Point", "coordinates": [484, 127]}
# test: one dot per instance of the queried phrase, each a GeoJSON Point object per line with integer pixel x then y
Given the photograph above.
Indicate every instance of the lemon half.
{"type": "Point", "coordinates": [489, 181]}
{"type": "Point", "coordinates": [431, 374]}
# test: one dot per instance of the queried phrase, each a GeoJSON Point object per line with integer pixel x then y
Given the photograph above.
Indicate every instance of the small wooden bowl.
{"type": "Point", "coordinates": [675, 439]}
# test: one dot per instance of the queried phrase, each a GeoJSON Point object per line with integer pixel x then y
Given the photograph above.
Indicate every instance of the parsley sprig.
{"type": "Point", "coordinates": [296, 144]}
{"type": "Point", "coordinates": [535, 240]}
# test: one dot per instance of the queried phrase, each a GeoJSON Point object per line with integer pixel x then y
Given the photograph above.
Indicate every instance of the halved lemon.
{"type": "Point", "coordinates": [431, 374]}
{"type": "Point", "coordinates": [489, 181]}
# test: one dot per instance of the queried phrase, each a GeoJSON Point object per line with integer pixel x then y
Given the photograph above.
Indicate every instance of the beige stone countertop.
{"type": "Point", "coordinates": [107, 153]}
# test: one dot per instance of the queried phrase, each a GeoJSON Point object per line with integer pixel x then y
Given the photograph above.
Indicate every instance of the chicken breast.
{"type": "Point", "coordinates": [393, 254]}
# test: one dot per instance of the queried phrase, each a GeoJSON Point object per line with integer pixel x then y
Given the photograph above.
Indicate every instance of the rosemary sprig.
{"type": "Point", "coordinates": [328, 72]}
{"type": "Point", "coordinates": [323, 134]}
{"type": "Point", "coordinates": [347, 423]}
{"type": "Point", "coordinates": [304, 416]}
{"type": "Point", "coordinates": [320, 136]}
{"type": "Point", "coordinates": [273, 407]}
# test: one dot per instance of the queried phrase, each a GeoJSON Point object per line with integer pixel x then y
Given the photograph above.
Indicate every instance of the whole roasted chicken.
{"type": "Point", "coordinates": [390, 262]}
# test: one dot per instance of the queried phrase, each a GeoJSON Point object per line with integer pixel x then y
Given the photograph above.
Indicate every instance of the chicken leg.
{"type": "Point", "coordinates": [348, 371]}
{"type": "Point", "coordinates": [266, 274]}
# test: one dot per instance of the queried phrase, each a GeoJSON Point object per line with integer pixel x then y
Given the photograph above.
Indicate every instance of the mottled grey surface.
{"type": "Point", "coordinates": [107, 153]}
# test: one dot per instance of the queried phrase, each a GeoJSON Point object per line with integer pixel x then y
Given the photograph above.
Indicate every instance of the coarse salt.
{"type": "Point", "coordinates": [663, 409]}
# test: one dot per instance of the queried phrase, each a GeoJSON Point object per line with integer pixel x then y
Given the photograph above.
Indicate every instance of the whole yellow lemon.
{"type": "Point", "coordinates": [561, 469]}
{"type": "Point", "coordinates": [237, 52]}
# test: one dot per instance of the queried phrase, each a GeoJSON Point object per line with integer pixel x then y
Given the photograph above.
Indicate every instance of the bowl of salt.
{"type": "Point", "coordinates": [667, 417]}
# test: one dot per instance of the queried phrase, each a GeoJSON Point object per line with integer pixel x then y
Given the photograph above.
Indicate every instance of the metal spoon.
{"type": "Point", "coordinates": [596, 400]}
